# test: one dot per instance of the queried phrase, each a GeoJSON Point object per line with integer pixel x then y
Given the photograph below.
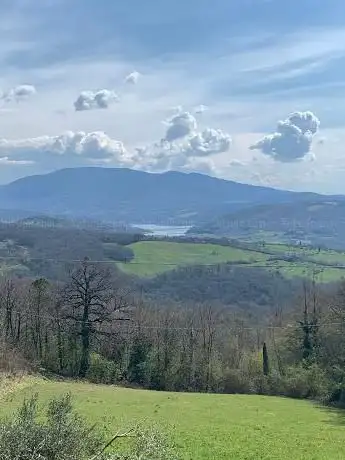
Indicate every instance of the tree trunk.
{"type": "Point", "coordinates": [85, 351]}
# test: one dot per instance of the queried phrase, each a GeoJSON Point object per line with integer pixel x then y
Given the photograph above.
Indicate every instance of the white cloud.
{"type": "Point", "coordinates": [202, 165]}
{"type": "Point", "coordinates": [101, 99]}
{"type": "Point", "coordinates": [75, 147]}
{"type": "Point", "coordinates": [293, 138]}
{"type": "Point", "coordinates": [179, 126]}
{"type": "Point", "coordinates": [9, 162]}
{"type": "Point", "coordinates": [80, 148]}
{"type": "Point", "coordinates": [18, 93]}
{"type": "Point", "coordinates": [184, 148]}
{"type": "Point", "coordinates": [133, 78]}
{"type": "Point", "coordinates": [208, 142]}
{"type": "Point", "coordinates": [305, 121]}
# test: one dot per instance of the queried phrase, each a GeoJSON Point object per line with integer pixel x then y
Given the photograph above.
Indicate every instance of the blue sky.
{"type": "Point", "coordinates": [250, 62]}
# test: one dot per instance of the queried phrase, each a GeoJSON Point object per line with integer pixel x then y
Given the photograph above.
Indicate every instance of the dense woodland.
{"type": "Point", "coordinates": [257, 292]}
{"type": "Point", "coordinates": [38, 250]}
{"type": "Point", "coordinates": [97, 325]}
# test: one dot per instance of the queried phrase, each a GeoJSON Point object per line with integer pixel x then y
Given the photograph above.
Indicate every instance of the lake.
{"type": "Point", "coordinates": [163, 230]}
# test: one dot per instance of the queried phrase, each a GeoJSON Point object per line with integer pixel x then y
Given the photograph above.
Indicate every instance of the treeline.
{"type": "Point", "coordinates": [95, 326]}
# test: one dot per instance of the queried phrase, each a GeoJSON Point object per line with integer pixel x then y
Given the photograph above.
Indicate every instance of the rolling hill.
{"type": "Point", "coordinates": [317, 222]}
{"type": "Point", "coordinates": [128, 196]}
{"type": "Point", "coordinates": [155, 258]}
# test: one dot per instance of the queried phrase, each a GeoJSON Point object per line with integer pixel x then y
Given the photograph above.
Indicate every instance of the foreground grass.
{"type": "Point", "coordinates": [203, 426]}
{"type": "Point", "coordinates": [154, 257]}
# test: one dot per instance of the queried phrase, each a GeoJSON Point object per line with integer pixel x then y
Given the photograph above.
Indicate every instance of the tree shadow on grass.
{"type": "Point", "coordinates": [335, 415]}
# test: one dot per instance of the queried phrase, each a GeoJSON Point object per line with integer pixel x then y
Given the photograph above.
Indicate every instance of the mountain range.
{"type": "Point", "coordinates": [129, 196]}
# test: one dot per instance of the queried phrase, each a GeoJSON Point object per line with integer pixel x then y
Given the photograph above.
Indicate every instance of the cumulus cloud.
{"type": "Point", "coordinates": [185, 147]}
{"type": "Point", "coordinates": [200, 165]}
{"type": "Point", "coordinates": [190, 152]}
{"type": "Point", "coordinates": [89, 100]}
{"type": "Point", "coordinates": [293, 139]}
{"type": "Point", "coordinates": [70, 148]}
{"type": "Point", "coordinates": [133, 78]}
{"type": "Point", "coordinates": [18, 93]}
{"type": "Point", "coordinates": [180, 125]}
{"type": "Point", "coordinates": [208, 142]}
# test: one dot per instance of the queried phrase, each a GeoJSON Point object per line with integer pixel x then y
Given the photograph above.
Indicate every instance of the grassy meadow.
{"type": "Point", "coordinates": [154, 257]}
{"type": "Point", "coordinates": [204, 426]}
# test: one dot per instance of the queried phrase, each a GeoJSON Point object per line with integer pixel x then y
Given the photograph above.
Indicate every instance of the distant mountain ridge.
{"type": "Point", "coordinates": [126, 196]}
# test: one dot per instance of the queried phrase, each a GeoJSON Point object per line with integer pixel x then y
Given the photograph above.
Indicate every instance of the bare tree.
{"type": "Point", "coordinates": [39, 301]}
{"type": "Point", "coordinates": [208, 323]}
{"type": "Point", "coordinates": [90, 301]}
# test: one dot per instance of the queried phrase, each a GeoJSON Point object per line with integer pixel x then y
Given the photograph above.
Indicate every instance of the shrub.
{"type": "Point", "coordinates": [149, 445]}
{"type": "Point", "coordinates": [102, 370]}
{"type": "Point", "coordinates": [235, 381]}
{"type": "Point", "coordinates": [11, 361]}
{"type": "Point", "coordinates": [59, 435]}
{"type": "Point", "coordinates": [301, 382]}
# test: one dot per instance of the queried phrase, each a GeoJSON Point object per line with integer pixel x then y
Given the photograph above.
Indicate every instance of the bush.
{"type": "Point", "coordinates": [235, 381]}
{"type": "Point", "coordinates": [149, 445]}
{"type": "Point", "coordinates": [102, 370]}
{"type": "Point", "coordinates": [301, 382]}
{"type": "Point", "coordinates": [119, 253]}
{"type": "Point", "coordinates": [60, 435]}
{"type": "Point", "coordinates": [11, 361]}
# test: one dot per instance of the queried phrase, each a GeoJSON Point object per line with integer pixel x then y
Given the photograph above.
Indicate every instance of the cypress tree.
{"type": "Point", "coordinates": [265, 363]}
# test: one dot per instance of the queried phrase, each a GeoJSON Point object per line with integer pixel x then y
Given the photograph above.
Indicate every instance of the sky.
{"type": "Point", "coordinates": [251, 91]}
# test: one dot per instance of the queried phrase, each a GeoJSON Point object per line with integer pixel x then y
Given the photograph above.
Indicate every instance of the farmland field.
{"type": "Point", "coordinates": [205, 426]}
{"type": "Point", "coordinates": [154, 257]}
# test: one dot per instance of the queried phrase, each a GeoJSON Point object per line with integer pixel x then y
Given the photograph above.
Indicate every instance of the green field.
{"type": "Point", "coordinates": [325, 255]}
{"type": "Point", "coordinates": [205, 426]}
{"type": "Point", "coordinates": [155, 257]}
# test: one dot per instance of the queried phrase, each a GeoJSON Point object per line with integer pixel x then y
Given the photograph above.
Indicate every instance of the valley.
{"type": "Point", "coordinates": [208, 326]}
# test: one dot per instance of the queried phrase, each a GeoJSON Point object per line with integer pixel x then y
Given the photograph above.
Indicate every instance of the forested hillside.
{"type": "Point", "coordinates": [47, 250]}
{"type": "Point", "coordinates": [254, 290]}
{"type": "Point", "coordinates": [71, 303]}
{"type": "Point", "coordinates": [96, 326]}
{"type": "Point", "coordinates": [320, 223]}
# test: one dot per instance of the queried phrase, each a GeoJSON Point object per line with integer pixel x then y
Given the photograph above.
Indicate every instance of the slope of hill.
{"type": "Point", "coordinates": [204, 426]}
{"type": "Point", "coordinates": [152, 258]}
{"type": "Point", "coordinates": [155, 257]}
{"type": "Point", "coordinates": [318, 222]}
{"type": "Point", "coordinates": [133, 196]}
{"type": "Point", "coordinates": [256, 291]}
